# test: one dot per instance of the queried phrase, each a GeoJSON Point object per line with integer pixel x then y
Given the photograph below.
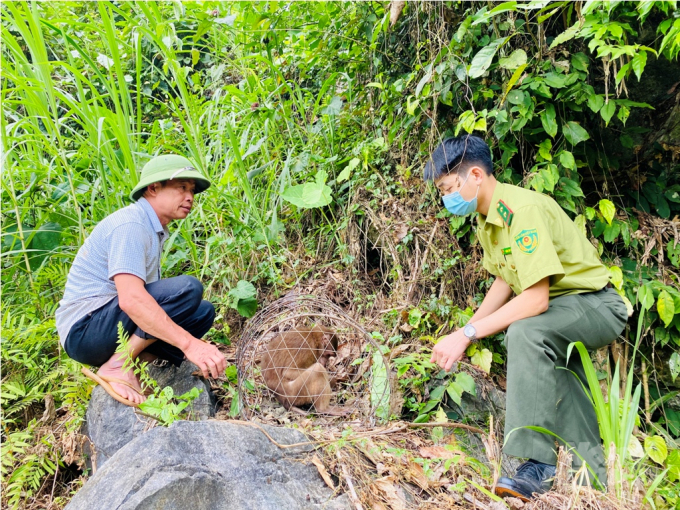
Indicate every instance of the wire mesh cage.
{"type": "Point", "coordinates": [306, 354]}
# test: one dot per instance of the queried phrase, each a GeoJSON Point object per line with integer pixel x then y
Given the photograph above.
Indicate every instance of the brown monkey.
{"type": "Point", "coordinates": [294, 368]}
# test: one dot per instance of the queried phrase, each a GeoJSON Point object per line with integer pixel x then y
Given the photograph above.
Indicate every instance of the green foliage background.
{"type": "Point", "coordinates": [313, 121]}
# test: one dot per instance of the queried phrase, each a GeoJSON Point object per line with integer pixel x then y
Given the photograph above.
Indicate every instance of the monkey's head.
{"type": "Point", "coordinates": [328, 339]}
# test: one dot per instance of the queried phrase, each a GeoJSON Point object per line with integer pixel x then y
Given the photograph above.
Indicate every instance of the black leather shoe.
{"type": "Point", "coordinates": [531, 478]}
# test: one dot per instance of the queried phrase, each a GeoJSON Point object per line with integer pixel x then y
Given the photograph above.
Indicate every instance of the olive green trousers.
{"type": "Point", "coordinates": [542, 393]}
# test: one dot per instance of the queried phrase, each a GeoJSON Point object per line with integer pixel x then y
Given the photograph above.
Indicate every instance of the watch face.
{"type": "Point", "coordinates": [470, 331]}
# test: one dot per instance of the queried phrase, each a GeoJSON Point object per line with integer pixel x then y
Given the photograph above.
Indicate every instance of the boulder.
{"type": "Point", "coordinates": [209, 465]}
{"type": "Point", "coordinates": [110, 425]}
{"type": "Point", "coordinates": [488, 400]}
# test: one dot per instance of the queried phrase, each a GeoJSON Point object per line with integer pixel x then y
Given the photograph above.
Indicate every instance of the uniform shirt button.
{"type": "Point", "coordinates": [502, 264]}
{"type": "Point", "coordinates": [513, 266]}
{"type": "Point", "coordinates": [495, 241]}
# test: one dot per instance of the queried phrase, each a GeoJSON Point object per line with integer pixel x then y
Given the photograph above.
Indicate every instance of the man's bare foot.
{"type": "Point", "coordinates": [113, 369]}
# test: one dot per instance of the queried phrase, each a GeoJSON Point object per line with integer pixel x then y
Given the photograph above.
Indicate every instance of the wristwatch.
{"type": "Point", "coordinates": [470, 332]}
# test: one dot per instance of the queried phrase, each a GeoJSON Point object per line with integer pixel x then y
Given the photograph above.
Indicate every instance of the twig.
{"type": "Point", "coordinates": [477, 504]}
{"type": "Point", "coordinates": [451, 425]}
{"type": "Point", "coordinates": [645, 387]}
{"type": "Point", "coordinates": [419, 268]}
{"type": "Point", "coordinates": [352, 493]}
{"type": "Point", "coordinates": [54, 483]}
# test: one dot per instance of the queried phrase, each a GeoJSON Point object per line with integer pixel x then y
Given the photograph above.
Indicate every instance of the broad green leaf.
{"type": "Point", "coordinates": [455, 391]}
{"type": "Point", "coordinates": [673, 463]}
{"type": "Point", "coordinates": [550, 177]}
{"type": "Point", "coordinates": [311, 194]}
{"type": "Point", "coordinates": [565, 36]}
{"type": "Point", "coordinates": [440, 416]}
{"type": "Point", "coordinates": [567, 160]}
{"type": "Point", "coordinates": [580, 61]}
{"type": "Point", "coordinates": [611, 232]}
{"type": "Point", "coordinates": [504, 7]}
{"type": "Point", "coordinates": [482, 359]}
{"type": "Point", "coordinates": [635, 449]}
{"type": "Point", "coordinates": [423, 81]}
{"type": "Point", "coordinates": [607, 209]}
{"type": "Point", "coordinates": [345, 174]}
{"type": "Point", "coordinates": [595, 102]}
{"type": "Point", "coordinates": [482, 60]}
{"type": "Point", "coordinates": [247, 307]}
{"type": "Point", "coordinates": [580, 222]}
{"type": "Point", "coordinates": [334, 107]}
{"type": "Point", "coordinates": [626, 301]}
{"type": "Point", "coordinates": [480, 124]}
{"type": "Point", "coordinates": [646, 296]}
{"type": "Point", "coordinates": [44, 240]}
{"type": "Point", "coordinates": [244, 298]}
{"type": "Point", "coordinates": [548, 120]}
{"type": "Point", "coordinates": [556, 81]}
{"type": "Point", "coordinates": [661, 336]}
{"type": "Point", "coordinates": [463, 28]}
{"type": "Point", "coordinates": [516, 97]}
{"type": "Point", "coordinates": [607, 111]}
{"type": "Point", "coordinates": [623, 114]}
{"type": "Point", "coordinates": [656, 448]}
{"type": "Point", "coordinates": [414, 317]}
{"type": "Point", "coordinates": [574, 133]}
{"type": "Point", "coordinates": [515, 60]}
{"type": "Point", "coordinates": [466, 121]}
{"type": "Point", "coordinates": [639, 61]}
{"type": "Point", "coordinates": [466, 382]}
{"type": "Point", "coordinates": [616, 276]}
{"type": "Point", "coordinates": [380, 388]}
{"type": "Point", "coordinates": [665, 307]}
{"type": "Point", "coordinates": [571, 187]}
{"type": "Point", "coordinates": [411, 106]}
{"type": "Point", "coordinates": [545, 148]}
{"type": "Point", "coordinates": [674, 365]}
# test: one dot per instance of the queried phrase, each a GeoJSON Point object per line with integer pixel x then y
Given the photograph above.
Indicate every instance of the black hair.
{"type": "Point", "coordinates": [146, 188]}
{"type": "Point", "coordinates": [455, 155]}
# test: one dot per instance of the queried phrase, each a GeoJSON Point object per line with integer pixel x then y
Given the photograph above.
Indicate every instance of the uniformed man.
{"type": "Point", "coordinates": [562, 295]}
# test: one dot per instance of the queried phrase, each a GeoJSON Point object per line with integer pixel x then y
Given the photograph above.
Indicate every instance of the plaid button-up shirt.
{"type": "Point", "coordinates": [128, 241]}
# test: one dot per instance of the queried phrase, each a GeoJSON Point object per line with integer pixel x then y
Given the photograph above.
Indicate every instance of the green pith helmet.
{"type": "Point", "coordinates": [166, 168]}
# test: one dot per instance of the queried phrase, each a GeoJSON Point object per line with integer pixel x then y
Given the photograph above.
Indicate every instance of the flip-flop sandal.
{"type": "Point", "coordinates": [146, 392]}
{"type": "Point", "coordinates": [109, 389]}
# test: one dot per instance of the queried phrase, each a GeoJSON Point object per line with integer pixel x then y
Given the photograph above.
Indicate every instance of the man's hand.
{"type": "Point", "coordinates": [207, 358]}
{"type": "Point", "coordinates": [450, 349]}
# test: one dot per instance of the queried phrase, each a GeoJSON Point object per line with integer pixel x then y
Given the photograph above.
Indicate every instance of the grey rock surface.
{"type": "Point", "coordinates": [110, 425]}
{"type": "Point", "coordinates": [488, 400]}
{"type": "Point", "coordinates": [209, 465]}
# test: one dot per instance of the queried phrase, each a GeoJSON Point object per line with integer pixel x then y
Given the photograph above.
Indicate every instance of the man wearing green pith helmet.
{"type": "Point", "coordinates": [116, 278]}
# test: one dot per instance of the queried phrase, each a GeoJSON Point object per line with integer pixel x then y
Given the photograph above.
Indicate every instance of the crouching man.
{"type": "Point", "coordinates": [560, 294]}
{"type": "Point", "coordinates": [116, 277]}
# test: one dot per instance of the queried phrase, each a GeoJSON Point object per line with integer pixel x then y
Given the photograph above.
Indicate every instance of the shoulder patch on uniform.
{"type": "Point", "coordinates": [527, 240]}
{"type": "Point", "coordinates": [505, 212]}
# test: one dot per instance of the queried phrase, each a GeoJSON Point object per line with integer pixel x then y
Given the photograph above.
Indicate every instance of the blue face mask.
{"type": "Point", "coordinates": [456, 204]}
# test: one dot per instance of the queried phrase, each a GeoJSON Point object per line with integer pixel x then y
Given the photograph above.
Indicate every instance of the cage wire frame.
{"type": "Point", "coordinates": [368, 391]}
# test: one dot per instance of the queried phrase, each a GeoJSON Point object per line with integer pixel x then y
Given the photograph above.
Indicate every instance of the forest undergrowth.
{"type": "Point", "coordinates": [313, 120]}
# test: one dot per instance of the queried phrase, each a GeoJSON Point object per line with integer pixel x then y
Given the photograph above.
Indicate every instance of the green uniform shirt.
{"type": "Point", "coordinates": [527, 237]}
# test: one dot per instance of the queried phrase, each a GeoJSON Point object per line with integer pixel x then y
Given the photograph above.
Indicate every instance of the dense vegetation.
{"type": "Point", "coordinates": [313, 121]}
